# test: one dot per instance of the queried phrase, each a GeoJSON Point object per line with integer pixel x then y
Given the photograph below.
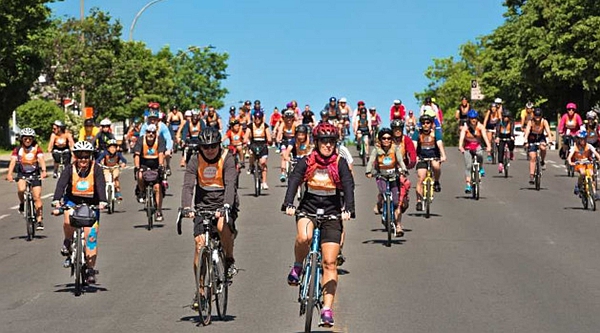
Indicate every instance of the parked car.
{"type": "Point", "coordinates": [519, 135]}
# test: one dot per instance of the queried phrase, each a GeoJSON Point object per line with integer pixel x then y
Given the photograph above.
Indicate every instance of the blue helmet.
{"type": "Point", "coordinates": [332, 99]}
{"type": "Point", "coordinates": [472, 114]}
{"type": "Point", "coordinates": [582, 134]}
{"type": "Point", "coordinates": [258, 114]}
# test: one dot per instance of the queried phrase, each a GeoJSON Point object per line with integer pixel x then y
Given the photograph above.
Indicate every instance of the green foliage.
{"type": "Point", "coordinates": [73, 122]}
{"type": "Point", "coordinates": [39, 115]}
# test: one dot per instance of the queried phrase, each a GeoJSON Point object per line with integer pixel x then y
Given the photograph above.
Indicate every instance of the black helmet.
{"type": "Point", "coordinates": [324, 113]}
{"type": "Point", "coordinates": [88, 122]}
{"type": "Point", "coordinates": [332, 99]}
{"type": "Point", "coordinates": [302, 128]}
{"type": "Point", "coordinates": [397, 123]}
{"type": "Point", "coordinates": [537, 112]}
{"type": "Point", "coordinates": [257, 102]}
{"type": "Point", "coordinates": [383, 132]}
{"type": "Point", "coordinates": [174, 107]}
{"type": "Point", "coordinates": [234, 122]}
{"type": "Point", "coordinates": [209, 136]}
{"type": "Point", "coordinates": [425, 117]}
{"type": "Point", "coordinates": [427, 100]}
{"type": "Point", "coordinates": [232, 108]}
{"type": "Point", "coordinates": [505, 113]}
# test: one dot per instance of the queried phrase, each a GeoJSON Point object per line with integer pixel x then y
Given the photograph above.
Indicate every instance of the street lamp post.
{"type": "Point", "coordinates": [137, 16]}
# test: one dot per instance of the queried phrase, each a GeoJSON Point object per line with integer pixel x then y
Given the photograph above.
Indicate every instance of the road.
{"type": "Point", "coordinates": [517, 260]}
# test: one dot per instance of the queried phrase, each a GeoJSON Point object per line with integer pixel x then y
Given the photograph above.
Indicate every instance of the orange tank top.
{"type": "Point", "coordinates": [83, 187]}
{"type": "Point", "coordinates": [150, 152]}
{"type": "Point", "coordinates": [210, 176]}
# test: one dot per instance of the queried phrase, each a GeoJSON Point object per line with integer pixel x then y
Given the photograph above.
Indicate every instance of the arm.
{"type": "Point", "coordinates": [461, 139]}
{"type": "Point", "coordinates": [99, 184]}
{"type": "Point", "coordinates": [570, 156]}
{"type": "Point", "coordinates": [347, 186]}
{"type": "Point", "coordinates": [527, 130]}
{"type": "Point", "coordinates": [547, 129]}
{"type": "Point", "coordinates": [561, 124]}
{"type": "Point", "coordinates": [410, 151]}
{"type": "Point", "coordinates": [486, 119]}
{"type": "Point", "coordinates": [229, 179]}
{"type": "Point", "coordinates": [62, 182]}
{"type": "Point", "coordinates": [440, 145]}
{"type": "Point", "coordinates": [189, 183]}
{"type": "Point", "coordinates": [51, 142]}
{"type": "Point", "coordinates": [122, 158]}
{"type": "Point", "coordinates": [268, 134]}
{"type": "Point", "coordinates": [101, 157]}
{"type": "Point", "coordinates": [166, 134]}
{"type": "Point", "coordinates": [11, 165]}
{"type": "Point", "coordinates": [372, 157]}
{"type": "Point", "coordinates": [400, 160]}
{"type": "Point", "coordinates": [295, 180]}
{"type": "Point", "coordinates": [488, 145]}
{"type": "Point", "coordinates": [71, 141]}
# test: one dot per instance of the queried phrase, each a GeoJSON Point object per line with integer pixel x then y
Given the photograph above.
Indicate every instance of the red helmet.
{"type": "Point", "coordinates": [325, 130]}
{"type": "Point", "coordinates": [153, 105]}
{"type": "Point", "coordinates": [361, 103]}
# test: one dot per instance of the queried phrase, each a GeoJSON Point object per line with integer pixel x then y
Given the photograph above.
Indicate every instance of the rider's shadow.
{"type": "Point", "coordinates": [25, 237]}
{"type": "Point", "coordinates": [468, 197]}
{"type": "Point", "coordinates": [214, 320]}
{"type": "Point", "coordinates": [70, 288]}
{"type": "Point", "coordinates": [383, 242]}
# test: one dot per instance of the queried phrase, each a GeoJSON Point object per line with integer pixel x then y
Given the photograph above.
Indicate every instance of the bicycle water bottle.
{"type": "Point", "coordinates": [165, 184]}
{"type": "Point", "coordinates": [215, 256]}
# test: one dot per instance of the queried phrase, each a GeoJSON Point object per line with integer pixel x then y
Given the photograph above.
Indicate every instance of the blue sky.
{"type": "Point", "coordinates": [375, 51]}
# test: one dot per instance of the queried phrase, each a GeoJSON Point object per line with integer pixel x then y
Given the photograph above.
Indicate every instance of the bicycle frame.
{"type": "Point", "coordinates": [475, 180]}
{"type": "Point", "coordinates": [506, 157]}
{"type": "Point", "coordinates": [428, 186]}
{"type": "Point", "coordinates": [389, 215]}
{"type": "Point", "coordinates": [30, 211]}
{"type": "Point", "coordinates": [110, 188]}
{"type": "Point", "coordinates": [257, 170]}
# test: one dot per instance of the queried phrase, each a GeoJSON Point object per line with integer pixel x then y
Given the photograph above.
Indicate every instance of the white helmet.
{"type": "Point", "coordinates": [83, 146]}
{"type": "Point", "coordinates": [195, 112]}
{"type": "Point", "coordinates": [342, 100]}
{"type": "Point", "coordinates": [591, 115]}
{"type": "Point", "coordinates": [188, 113]}
{"type": "Point", "coordinates": [151, 128]}
{"type": "Point", "coordinates": [105, 122]}
{"type": "Point", "coordinates": [27, 132]}
{"type": "Point", "coordinates": [397, 101]}
{"type": "Point", "coordinates": [498, 100]}
{"type": "Point", "coordinates": [288, 114]}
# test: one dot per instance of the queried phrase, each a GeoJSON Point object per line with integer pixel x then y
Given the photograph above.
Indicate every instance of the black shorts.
{"type": "Point", "coordinates": [34, 182]}
{"type": "Point", "coordinates": [199, 226]}
{"type": "Point", "coordinates": [331, 231]}
{"type": "Point", "coordinates": [263, 149]}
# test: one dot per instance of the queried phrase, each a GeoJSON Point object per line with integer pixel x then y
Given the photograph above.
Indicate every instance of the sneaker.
{"type": "Point", "coordinates": [67, 262]}
{"type": "Point", "coordinates": [419, 206]}
{"type": "Point", "coordinates": [489, 158]}
{"type": "Point", "coordinates": [140, 200]}
{"type": "Point", "coordinates": [65, 250]}
{"type": "Point", "coordinates": [294, 276]}
{"type": "Point", "coordinates": [326, 318]}
{"type": "Point", "coordinates": [159, 217]}
{"type": "Point", "coordinates": [500, 168]}
{"type": "Point", "coordinates": [39, 226]}
{"type": "Point", "coordinates": [242, 165]}
{"type": "Point", "coordinates": [543, 164]}
{"type": "Point", "coordinates": [399, 231]}
{"type": "Point", "coordinates": [561, 154]}
{"type": "Point", "coordinates": [250, 170]}
{"type": "Point", "coordinates": [282, 178]}
{"type": "Point", "coordinates": [168, 172]}
{"type": "Point", "coordinates": [437, 187]}
{"type": "Point", "coordinates": [21, 207]}
{"type": "Point", "coordinates": [195, 303]}
{"type": "Point", "coordinates": [377, 209]}
{"type": "Point", "coordinates": [531, 181]}
{"type": "Point", "coordinates": [230, 268]}
{"type": "Point", "coordinates": [277, 151]}
{"type": "Point", "coordinates": [482, 172]}
{"type": "Point", "coordinates": [341, 259]}
{"type": "Point", "coordinates": [91, 276]}
{"type": "Point", "coordinates": [576, 190]}
{"type": "Point", "coordinates": [54, 174]}
{"type": "Point", "coordinates": [264, 186]}
{"type": "Point", "coordinates": [468, 188]}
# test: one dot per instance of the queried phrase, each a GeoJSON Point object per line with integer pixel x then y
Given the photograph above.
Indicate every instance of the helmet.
{"type": "Point", "coordinates": [572, 106]}
{"type": "Point", "coordinates": [429, 111]}
{"type": "Point", "coordinates": [425, 117]}
{"type": "Point", "coordinates": [360, 103]}
{"type": "Point", "coordinates": [112, 142]}
{"type": "Point", "coordinates": [397, 123]}
{"type": "Point", "coordinates": [464, 98]}
{"type": "Point", "coordinates": [27, 132]}
{"type": "Point", "coordinates": [410, 112]}
{"type": "Point", "coordinates": [88, 122]}
{"type": "Point", "coordinates": [324, 113]}
{"type": "Point", "coordinates": [433, 99]}
{"type": "Point", "coordinates": [58, 123]}
{"type": "Point", "coordinates": [343, 100]}
{"type": "Point", "coordinates": [493, 105]}
{"type": "Point", "coordinates": [136, 120]}
{"type": "Point", "coordinates": [188, 113]}
{"type": "Point", "coordinates": [256, 102]}
{"type": "Point", "coordinates": [301, 128]}
{"type": "Point", "coordinates": [289, 105]}
{"type": "Point", "coordinates": [332, 99]}
{"type": "Point", "coordinates": [397, 102]}
{"type": "Point", "coordinates": [591, 115]}
{"type": "Point", "coordinates": [247, 102]}
{"type": "Point", "coordinates": [372, 108]}
{"type": "Point", "coordinates": [153, 105]}
{"type": "Point", "coordinates": [258, 114]}
{"type": "Point", "coordinates": [105, 122]}
{"type": "Point", "coordinates": [287, 114]}
{"type": "Point", "coordinates": [234, 122]}
{"type": "Point", "coordinates": [151, 128]}
{"type": "Point", "coordinates": [383, 132]}
{"type": "Point", "coordinates": [582, 134]}
{"type": "Point", "coordinates": [82, 146]}
{"type": "Point", "coordinates": [505, 113]}
{"type": "Point", "coordinates": [153, 114]}
{"type": "Point", "coordinates": [498, 100]}
{"type": "Point", "coordinates": [362, 110]}
{"type": "Point", "coordinates": [427, 100]}
{"type": "Point", "coordinates": [195, 112]}
{"type": "Point", "coordinates": [325, 130]}
{"type": "Point", "coordinates": [537, 112]}
{"type": "Point", "coordinates": [174, 107]}
{"type": "Point", "coordinates": [209, 136]}
{"type": "Point", "coordinates": [232, 108]}
{"type": "Point", "coordinates": [529, 105]}
{"type": "Point", "coordinates": [472, 114]}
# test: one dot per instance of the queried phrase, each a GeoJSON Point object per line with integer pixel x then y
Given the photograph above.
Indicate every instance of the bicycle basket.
{"type": "Point", "coordinates": [150, 176]}
{"type": "Point", "coordinates": [82, 216]}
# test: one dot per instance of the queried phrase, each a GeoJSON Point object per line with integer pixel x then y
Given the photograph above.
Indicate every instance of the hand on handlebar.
{"type": "Point", "coordinates": [290, 210]}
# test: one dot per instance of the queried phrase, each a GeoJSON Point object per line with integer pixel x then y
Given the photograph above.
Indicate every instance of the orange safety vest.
{"type": "Point", "coordinates": [321, 183]}
{"type": "Point", "coordinates": [28, 159]}
{"type": "Point", "coordinates": [387, 160]}
{"type": "Point", "coordinates": [210, 175]}
{"type": "Point", "coordinates": [150, 153]}
{"type": "Point", "coordinates": [581, 155]}
{"type": "Point", "coordinates": [427, 141]}
{"type": "Point", "coordinates": [259, 134]}
{"type": "Point", "coordinates": [83, 187]}
{"type": "Point", "coordinates": [288, 133]}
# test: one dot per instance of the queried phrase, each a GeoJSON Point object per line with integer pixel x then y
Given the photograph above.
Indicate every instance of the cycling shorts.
{"type": "Point", "coordinates": [331, 231]}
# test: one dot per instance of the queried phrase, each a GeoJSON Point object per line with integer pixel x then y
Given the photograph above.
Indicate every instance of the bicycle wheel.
{"type": "Point", "coordinates": [537, 175]}
{"type": "Point", "coordinates": [590, 194]}
{"type": "Point", "coordinates": [389, 220]}
{"type": "Point", "coordinates": [313, 293]}
{"type": "Point", "coordinates": [220, 285]}
{"type": "Point", "coordinates": [60, 169]}
{"type": "Point", "coordinates": [506, 162]}
{"type": "Point", "coordinates": [427, 196]}
{"type": "Point", "coordinates": [494, 153]}
{"type": "Point", "coordinates": [257, 180]}
{"type": "Point", "coordinates": [78, 262]}
{"type": "Point", "coordinates": [150, 206]}
{"type": "Point", "coordinates": [203, 285]}
{"type": "Point", "coordinates": [475, 183]}
{"type": "Point", "coordinates": [109, 198]}
{"type": "Point", "coordinates": [29, 217]}
{"type": "Point", "coordinates": [363, 153]}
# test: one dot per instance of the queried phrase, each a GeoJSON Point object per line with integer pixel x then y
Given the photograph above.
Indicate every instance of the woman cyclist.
{"type": "Point", "coordinates": [81, 182]}
{"type": "Point", "coordinates": [111, 158]}
{"type": "Point", "coordinates": [470, 139]}
{"type": "Point", "coordinates": [325, 176]}
{"type": "Point", "coordinates": [537, 130]}
{"type": "Point", "coordinates": [60, 144]}
{"type": "Point", "coordinates": [583, 152]}
{"type": "Point", "coordinates": [568, 127]}
{"type": "Point", "coordinates": [492, 117]}
{"type": "Point", "coordinates": [591, 128]}
{"type": "Point", "coordinates": [386, 160]}
{"type": "Point", "coordinates": [505, 129]}
{"type": "Point", "coordinates": [174, 120]}
{"type": "Point", "coordinates": [299, 147]}
{"type": "Point", "coordinates": [235, 136]}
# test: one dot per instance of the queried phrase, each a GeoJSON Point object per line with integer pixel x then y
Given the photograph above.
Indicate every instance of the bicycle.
{"type": "Point", "coordinates": [537, 173]}
{"type": "Point", "coordinates": [83, 216]}
{"type": "Point", "coordinates": [257, 172]}
{"type": "Point", "coordinates": [191, 148]}
{"type": "Point", "coordinates": [61, 160]}
{"type": "Point", "coordinates": [310, 294]}
{"type": "Point", "coordinates": [388, 216]}
{"type": "Point", "coordinates": [494, 148]}
{"type": "Point", "coordinates": [110, 188]}
{"type": "Point", "coordinates": [150, 178]}
{"type": "Point", "coordinates": [587, 194]}
{"type": "Point", "coordinates": [506, 157]}
{"type": "Point", "coordinates": [475, 175]}
{"type": "Point", "coordinates": [362, 149]}
{"type": "Point", "coordinates": [29, 206]}
{"type": "Point", "coordinates": [210, 275]}
{"type": "Point", "coordinates": [428, 186]}
{"type": "Point", "coordinates": [571, 143]}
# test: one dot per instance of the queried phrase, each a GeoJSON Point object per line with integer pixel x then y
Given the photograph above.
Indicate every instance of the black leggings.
{"type": "Point", "coordinates": [502, 144]}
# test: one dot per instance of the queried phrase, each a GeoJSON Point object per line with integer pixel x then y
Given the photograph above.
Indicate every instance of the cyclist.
{"type": "Point", "coordinates": [536, 131]}
{"type": "Point", "coordinates": [461, 111]}
{"type": "Point", "coordinates": [375, 120]}
{"type": "Point", "coordinates": [259, 137]}
{"type": "Point", "coordinates": [285, 135]}
{"type": "Point", "coordinates": [344, 117]}
{"type": "Point", "coordinates": [110, 158]}
{"type": "Point", "coordinates": [212, 119]}
{"type": "Point", "coordinates": [297, 148]}
{"type": "Point", "coordinates": [133, 132]}
{"type": "Point", "coordinates": [492, 117]}
{"type": "Point", "coordinates": [411, 123]}
{"type": "Point", "coordinates": [88, 132]}
{"type": "Point", "coordinates": [257, 107]}
{"type": "Point", "coordinates": [499, 103]}
{"type": "Point", "coordinates": [82, 182]}
{"type": "Point", "coordinates": [210, 179]}
{"type": "Point", "coordinates": [430, 105]}
{"type": "Point", "coordinates": [397, 110]}
{"type": "Point", "coordinates": [410, 159]}
{"type": "Point", "coordinates": [591, 128]}
{"type": "Point", "coordinates": [103, 136]}
{"type": "Point", "coordinates": [428, 143]}
{"type": "Point", "coordinates": [235, 135]}
{"type": "Point", "coordinates": [232, 114]}
{"type": "Point", "coordinates": [470, 139]}
{"type": "Point", "coordinates": [568, 127]}
{"type": "Point", "coordinates": [325, 117]}
{"type": "Point", "coordinates": [526, 114]}
{"type": "Point", "coordinates": [60, 144]}
{"type": "Point", "coordinates": [362, 128]}
{"type": "Point", "coordinates": [325, 175]}
{"type": "Point", "coordinates": [274, 119]}
{"type": "Point", "coordinates": [149, 152]}
{"type": "Point", "coordinates": [581, 152]}
{"type": "Point", "coordinates": [190, 133]}
{"type": "Point", "coordinates": [28, 159]}
{"type": "Point", "coordinates": [308, 117]}
{"type": "Point", "coordinates": [163, 132]}
{"type": "Point", "coordinates": [387, 160]}
{"type": "Point", "coordinates": [174, 121]}
{"type": "Point", "coordinates": [505, 129]}
{"type": "Point", "coordinates": [332, 109]}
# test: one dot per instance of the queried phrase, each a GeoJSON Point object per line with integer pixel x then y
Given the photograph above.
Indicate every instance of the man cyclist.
{"type": "Point", "coordinates": [258, 137]}
{"type": "Point", "coordinates": [583, 152]}
{"type": "Point", "coordinates": [308, 117]}
{"type": "Point", "coordinates": [537, 130]}
{"type": "Point", "coordinates": [149, 154]}
{"type": "Point", "coordinates": [88, 132]}
{"type": "Point", "coordinates": [470, 139]}
{"type": "Point", "coordinates": [505, 129]}
{"type": "Point", "coordinates": [163, 132]}
{"type": "Point", "coordinates": [210, 179]}
{"type": "Point", "coordinates": [28, 159]}
{"type": "Point", "coordinates": [332, 109]}
{"type": "Point", "coordinates": [429, 144]}
{"type": "Point", "coordinates": [174, 120]}
{"type": "Point", "coordinates": [325, 176]}
{"type": "Point", "coordinates": [81, 183]}
{"type": "Point", "coordinates": [60, 144]}
{"type": "Point", "coordinates": [461, 112]}
{"type": "Point", "coordinates": [213, 119]}
{"type": "Point", "coordinates": [112, 158]}
{"type": "Point", "coordinates": [411, 123]}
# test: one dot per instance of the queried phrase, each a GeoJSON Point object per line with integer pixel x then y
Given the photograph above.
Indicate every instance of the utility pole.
{"type": "Point", "coordinates": [82, 14]}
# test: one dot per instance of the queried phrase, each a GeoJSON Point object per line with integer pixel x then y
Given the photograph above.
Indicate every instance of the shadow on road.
{"type": "Point", "coordinates": [145, 226]}
{"type": "Point", "coordinates": [70, 287]}
{"type": "Point", "coordinates": [262, 194]}
{"type": "Point", "coordinates": [468, 197]}
{"type": "Point", "coordinates": [421, 214]}
{"type": "Point", "coordinates": [25, 237]}
{"type": "Point", "coordinates": [213, 319]}
{"type": "Point", "coordinates": [383, 242]}
{"type": "Point", "coordinates": [532, 188]}
{"type": "Point", "coordinates": [576, 208]}
{"type": "Point", "coordinates": [509, 176]}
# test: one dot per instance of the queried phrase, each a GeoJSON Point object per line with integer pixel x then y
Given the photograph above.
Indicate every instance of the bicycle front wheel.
{"type": "Point", "coordinates": [109, 198]}
{"type": "Point", "coordinates": [29, 218]}
{"type": "Point", "coordinates": [590, 194]}
{"type": "Point", "coordinates": [220, 285]}
{"type": "Point", "coordinates": [313, 293]}
{"type": "Point", "coordinates": [537, 176]}
{"type": "Point", "coordinates": [427, 197]}
{"type": "Point", "coordinates": [475, 185]}
{"type": "Point", "coordinates": [203, 285]}
{"type": "Point", "coordinates": [150, 206]}
{"type": "Point", "coordinates": [389, 220]}
{"type": "Point", "coordinates": [78, 262]}
{"type": "Point", "coordinates": [506, 163]}
{"type": "Point", "coordinates": [257, 181]}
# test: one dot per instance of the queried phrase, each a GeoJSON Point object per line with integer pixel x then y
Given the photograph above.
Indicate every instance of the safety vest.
{"type": "Point", "coordinates": [259, 134]}
{"type": "Point", "coordinates": [505, 128]}
{"type": "Point", "coordinates": [386, 162]}
{"type": "Point", "coordinates": [302, 149]}
{"type": "Point", "coordinates": [210, 175]}
{"type": "Point", "coordinates": [195, 129]}
{"type": "Point", "coordinates": [427, 141]}
{"type": "Point", "coordinates": [235, 138]}
{"type": "Point", "coordinates": [321, 183]}
{"type": "Point", "coordinates": [150, 152]}
{"type": "Point", "coordinates": [83, 187]}
{"type": "Point", "coordinates": [61, 141]}
{"type": "Point", "coordinates": [288, 132]}
{"type": "Point", "coordinates": [111, 161]}
{"type": "Point", "coordinates": [28, 159]}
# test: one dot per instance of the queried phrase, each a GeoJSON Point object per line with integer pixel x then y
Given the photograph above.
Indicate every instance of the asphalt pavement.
{"type": "Point", "coordinates": [517, 260]}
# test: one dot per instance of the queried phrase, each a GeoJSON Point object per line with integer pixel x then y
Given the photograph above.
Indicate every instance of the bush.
{"type": "Point", "coordinates": [39, 115]}
{"type": "Point", "coordinates": [74, 123]}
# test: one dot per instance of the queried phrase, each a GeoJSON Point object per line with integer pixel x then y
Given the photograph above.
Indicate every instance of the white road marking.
{"type": "Point", "coordinates": [557, 166]}
{"type": "Point", "coordinates": [47, 195]}
{"type": "Point", "coordinates": [3, 216]}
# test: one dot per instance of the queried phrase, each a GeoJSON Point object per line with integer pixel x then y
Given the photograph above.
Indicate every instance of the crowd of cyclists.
{"type": "Point", "coordinates": [214, 151]}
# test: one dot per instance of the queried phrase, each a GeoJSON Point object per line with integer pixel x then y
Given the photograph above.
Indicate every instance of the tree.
{"type": "Point", "coordinates": [39, 115]}
{"type": "Point", "coordinates": [21, 24]}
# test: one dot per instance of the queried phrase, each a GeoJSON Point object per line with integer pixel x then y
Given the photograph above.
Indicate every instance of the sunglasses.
{"type": "Point", "coordinates": [570, 109]}
{"type": "Point", "coordinates": [151, 132]}
{"type": "Point", "coordinates": [386, 138]}
{"type": "Point", "coordinates": [328, 141]}
{"type": "Point", "coordinates": [84, 157]}
{"type": "Point", "coordinates": [211, 146]}
{"type": "Point", "coordinates": [427, 122]}
{"type": "Point", "coordinates": [27, 138]}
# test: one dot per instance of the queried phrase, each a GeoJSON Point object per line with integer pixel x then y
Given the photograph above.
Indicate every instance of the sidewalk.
{"type": "Point", "coordinates": [5, 160]}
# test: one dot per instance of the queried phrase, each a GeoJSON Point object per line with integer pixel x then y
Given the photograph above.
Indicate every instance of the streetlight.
{"type": "Point", "coordinates": [137, 16]}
